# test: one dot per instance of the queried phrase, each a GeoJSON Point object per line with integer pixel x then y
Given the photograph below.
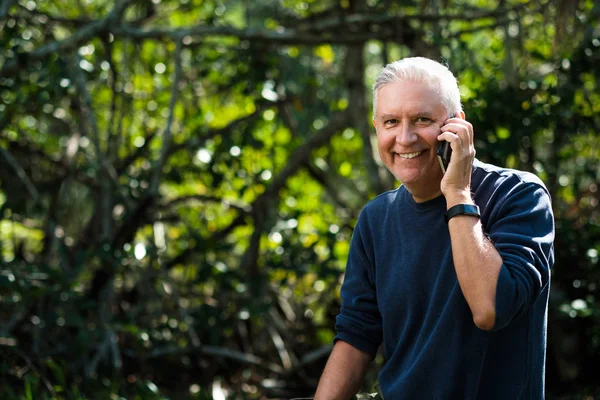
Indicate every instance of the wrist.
{"type": "Point", "coordinates": [460, 197]}
{"type": "Point", "coordinates": [462, 209]}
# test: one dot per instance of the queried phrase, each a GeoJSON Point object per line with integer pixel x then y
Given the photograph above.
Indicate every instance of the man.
{"type": "Point", "coordinates": [457, 295]}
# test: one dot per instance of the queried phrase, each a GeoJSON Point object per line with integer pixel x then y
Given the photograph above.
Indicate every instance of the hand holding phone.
{"type": "Point", "coordinates": [444, 152]}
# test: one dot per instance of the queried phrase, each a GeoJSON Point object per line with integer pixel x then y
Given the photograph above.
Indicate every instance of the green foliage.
{"type": "Point", "coordinates": [179, 180]}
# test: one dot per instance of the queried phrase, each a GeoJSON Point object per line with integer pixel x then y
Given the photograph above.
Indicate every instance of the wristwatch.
{"type": "Point", "coordinates": [462, 209]}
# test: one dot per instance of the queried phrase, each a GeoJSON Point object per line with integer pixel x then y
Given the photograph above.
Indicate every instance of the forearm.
{"type": "Point", "coordinates": [477, 264]}
{"type": "Point", "coordinates": [344, 373]}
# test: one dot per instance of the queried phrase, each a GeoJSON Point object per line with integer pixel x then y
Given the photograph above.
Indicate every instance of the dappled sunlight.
{"type": "Point", "coordinates": [180, 181]}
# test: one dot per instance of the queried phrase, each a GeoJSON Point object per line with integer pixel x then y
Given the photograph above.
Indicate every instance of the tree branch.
{"type": "Point", "coordinates": [108, 172]}
{"type": "Point", "coordinates": [198, 138]}
{"type": "Point", "coordinates": [287, 358]}
{"type": "Point", "coordinates": [112, 135]}
{"type": "Point", "coordinates": [166, 142]}
{"type": "Point", "coordinates": [315, 355]}
{"type": "Point", "coordinates": [20, 173]}
{"type": "Point", "coordinates": [5, 6]}
{"type": "Point", "coordinates": [77, 22]}
{"type": "Point", "coordinates": [108, 345]}
{"type": "Point", "coordinates": [374, 17]}
{"type": "Point", "coordinates": [260, 35]}
{"type": "Point", "coordinates": [215, 238]}
{"type": "Point", "coordinates": [333, 189]}
{"type": "Point", "coordinates": [242, 209]}
{"type": "Point", "coordinates": [326, 31]}
{"type": "Point", "coordinates": [218, 352]}
{"type": "Point", "coordinates": [354, 71]}
{"type": "Point", "coordinates": [298, 159]}
{"type": "Point", "coordinates": [302, 154]}
{"type": "Point", "coordinates": [63, 169]}
{"type": "Point", "coordinates": [37, 372]}
{"type": "Point", "coordinates": [124, 163]}
{"type": "Point", "coordinates": [82, 35]}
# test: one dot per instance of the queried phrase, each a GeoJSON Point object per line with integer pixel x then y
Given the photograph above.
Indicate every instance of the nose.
{"type": "Point", "coordinates": [405, 135]}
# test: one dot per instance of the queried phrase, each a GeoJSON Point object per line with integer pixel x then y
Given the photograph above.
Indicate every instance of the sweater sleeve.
{"type": "Point", "coordinates": [359, 320]}
{"type": "Point", "coordinates": [523, 234]}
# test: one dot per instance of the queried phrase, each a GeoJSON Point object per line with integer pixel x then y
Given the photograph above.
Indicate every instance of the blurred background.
{"type": "Point", "coordinates": [179, 180]}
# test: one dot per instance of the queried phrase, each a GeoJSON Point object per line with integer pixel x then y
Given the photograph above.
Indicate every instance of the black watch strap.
{"type": "Point", "coordinates": [462, 209]}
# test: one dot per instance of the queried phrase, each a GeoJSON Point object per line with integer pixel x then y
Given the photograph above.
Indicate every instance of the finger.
{"type": "Point", "coordinates": [463, 131]}
{"type": "Point", "coordinates": [456, 124]}
{"type": "Point", "coordinates": [458, 144]}
{"type": "Point", "coordinates": [460, 122]}
{"type": "Point", "coordinates": [457, 120]}
{"type": "Point", "coordinates": [453, 138]}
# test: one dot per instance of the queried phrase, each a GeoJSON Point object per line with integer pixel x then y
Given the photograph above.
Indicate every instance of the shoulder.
{"type": "Point", "coordinates": [382, 202]}
{"type": "Point", "coordinates": [377, 210]}
{"type": "Point", "coordinates": [488, 177]}
{"type": "Point", "coordinates": [504, 192]}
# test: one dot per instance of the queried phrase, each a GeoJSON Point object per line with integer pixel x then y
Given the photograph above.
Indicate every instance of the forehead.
{"type": "Point", "coordinates": [408, 97]}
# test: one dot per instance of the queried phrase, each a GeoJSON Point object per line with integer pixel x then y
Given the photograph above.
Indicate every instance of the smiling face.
{"type": "Point", "coordinates": [408, 119]}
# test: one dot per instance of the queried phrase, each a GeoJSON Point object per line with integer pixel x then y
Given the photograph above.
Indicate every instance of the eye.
{"type": "Point", "coordinates": [423, 120]}
{"type": "Point", "coordinates": [390, 122]}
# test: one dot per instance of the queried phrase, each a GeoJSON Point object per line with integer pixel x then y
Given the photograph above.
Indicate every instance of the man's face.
{"type": "Point", "coordinates": [408, 120]}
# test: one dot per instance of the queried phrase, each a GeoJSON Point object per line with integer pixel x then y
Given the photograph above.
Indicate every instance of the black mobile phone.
{"type": "Point", "coordinates": [444, 151]}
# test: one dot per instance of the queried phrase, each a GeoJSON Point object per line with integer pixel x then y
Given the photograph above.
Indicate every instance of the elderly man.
{"type": "Point", "coordinates": [450, 272]}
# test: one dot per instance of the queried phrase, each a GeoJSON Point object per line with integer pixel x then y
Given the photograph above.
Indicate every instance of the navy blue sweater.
{"type": "Point", "coordinates": [401, 289]}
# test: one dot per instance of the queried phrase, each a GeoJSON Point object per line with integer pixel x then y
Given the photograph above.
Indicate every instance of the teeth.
{"type": "Point", "coordinates": [408, 155]}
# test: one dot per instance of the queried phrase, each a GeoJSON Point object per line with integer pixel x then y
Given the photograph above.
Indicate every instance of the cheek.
{"type": "Point", "coordinates": [385, 139]}
{"type": "Point", "coordinates": [383, 146]}
{"type": "Point", "coordinates": [431, 136]}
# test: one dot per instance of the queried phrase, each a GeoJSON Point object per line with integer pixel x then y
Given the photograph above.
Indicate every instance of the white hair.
{"type": "Point", "coordinates": [421, 69]}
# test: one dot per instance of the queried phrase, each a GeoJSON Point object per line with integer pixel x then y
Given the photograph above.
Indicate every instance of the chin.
{"type": "Point", "coordinates": [408, 181]}
{"type": "Point", "coordinates": [407, 177]}
{"type": "Point", "coordinates": [418, 177]}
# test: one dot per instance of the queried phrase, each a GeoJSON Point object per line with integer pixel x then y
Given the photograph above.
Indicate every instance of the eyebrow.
{"type": "Point", "coordinates": [419, 113]}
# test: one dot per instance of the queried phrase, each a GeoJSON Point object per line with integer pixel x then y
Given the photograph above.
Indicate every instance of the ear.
{"type": "Point", "coordinates": [460, 115]}
{"type": "Point", "coordinates": [373, 121]}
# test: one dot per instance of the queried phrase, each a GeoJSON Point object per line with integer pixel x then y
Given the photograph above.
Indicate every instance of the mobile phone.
{"type": "Point", "coordinates": [444, 151]}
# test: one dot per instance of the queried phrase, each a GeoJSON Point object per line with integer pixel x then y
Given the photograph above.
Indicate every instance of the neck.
{"type": "Point", "coordinates": [421, 195]}
{"type": "Point", "coordinates": [423, 199]}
